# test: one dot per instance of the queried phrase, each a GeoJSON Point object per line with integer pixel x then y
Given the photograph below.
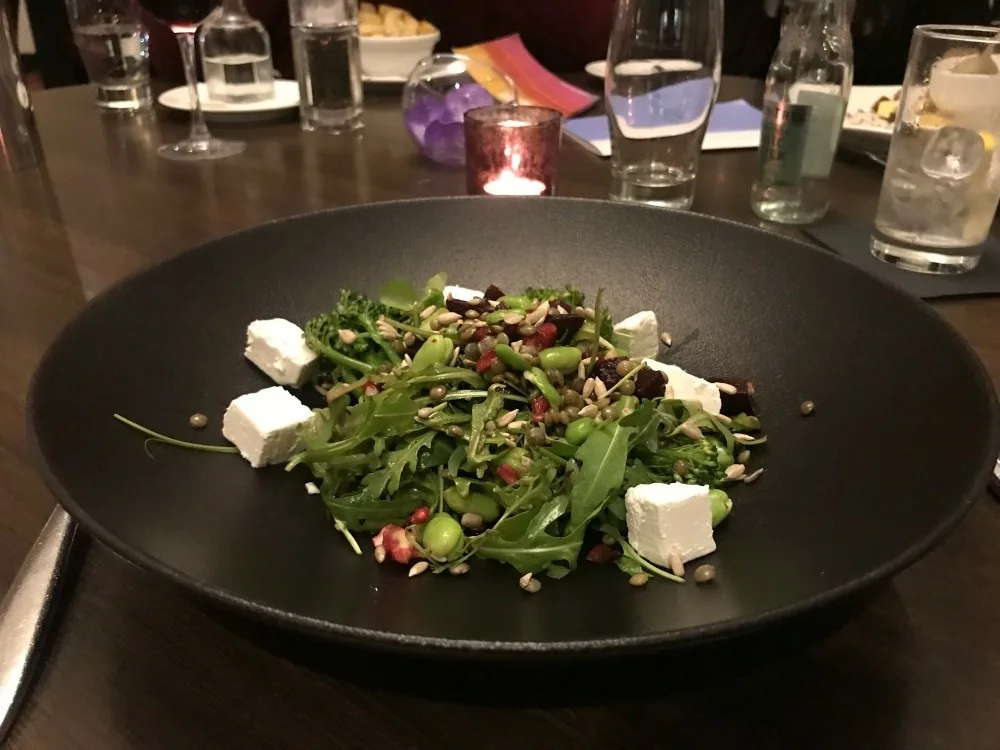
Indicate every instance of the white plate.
{"type": "Point", "coordinates": [860, 118]}
{"type": "Point", "coordinates": [597, 68]}
{"type": "Point", "coordinates": [286, 97]}
{"type": "Point", "coordinates": [383, 79]}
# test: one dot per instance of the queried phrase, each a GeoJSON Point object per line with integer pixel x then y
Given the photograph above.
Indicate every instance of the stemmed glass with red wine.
{"type": "Point", "coordinates": [183, 18]}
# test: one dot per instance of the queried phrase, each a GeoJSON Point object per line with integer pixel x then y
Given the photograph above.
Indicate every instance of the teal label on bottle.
{"type": "Point", "coordinates": [783, 137]}
{"type": "Point", "coordinates": [825, 122]}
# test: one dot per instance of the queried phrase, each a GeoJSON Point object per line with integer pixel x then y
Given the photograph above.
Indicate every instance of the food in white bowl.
{"type": "Point", "coordinates": [393, 41]}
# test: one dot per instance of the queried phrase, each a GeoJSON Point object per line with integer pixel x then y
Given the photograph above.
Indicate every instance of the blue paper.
{"type": "Point", "coordinates": [727, 117]}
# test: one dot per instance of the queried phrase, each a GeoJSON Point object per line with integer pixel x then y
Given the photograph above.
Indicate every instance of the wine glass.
{"type": "Point", "coordinates": [183, 18]}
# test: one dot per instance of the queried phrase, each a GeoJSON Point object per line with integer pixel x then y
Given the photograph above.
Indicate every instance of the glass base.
{"type": "Point", "coordinates": [672, 194]}
{"type": "Point", "coordinates": [923, 260]}
{"type": "Point", "coordinates": [124, 97]}
{"type": "Point", "coordinates": [201, 150]}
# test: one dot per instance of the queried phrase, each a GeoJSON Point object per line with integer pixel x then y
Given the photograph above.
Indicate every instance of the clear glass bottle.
{"type": "Point", "coordinates": [236, 55]}
{"type": "Point", "coordinates": [805, 97]}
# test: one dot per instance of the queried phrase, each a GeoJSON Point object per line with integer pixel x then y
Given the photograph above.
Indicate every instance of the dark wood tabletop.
{"type": "Point", "coordinates": [135, 663]}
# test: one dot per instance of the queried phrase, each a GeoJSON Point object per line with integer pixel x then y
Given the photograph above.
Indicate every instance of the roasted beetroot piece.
{"type": "Point", "coordinates": [566, 325]}
{"type": "Point", "coordinates": [606, 371]}
{"type": "Point", "coordinates": [602, 553]}
{"type": "Point", "coordinates": [741, 402]}
{"type": "Point", "coordinates": [493, 292]}
{"type": "Point", "coordinates": [649, 383]}
{"type": "Point", "coordinates": [461, 306]}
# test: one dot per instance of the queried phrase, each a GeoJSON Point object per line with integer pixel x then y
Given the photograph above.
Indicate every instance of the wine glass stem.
{"type": "Point", "coordinates": [199, 130]}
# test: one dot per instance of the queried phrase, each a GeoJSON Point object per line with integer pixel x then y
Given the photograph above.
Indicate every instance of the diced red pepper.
{"type": "Point", "coordinates": [486, 361]}
{"type": "Point", "coordinates": [602, 553]}
{"type": "Point", "coordinates": [544, 337]}
{"type": "Point", "coordinates": [480, 333]}
{"type": "Point", "coordinates": [539, 405]}
{"type": "Point", "coordinates": [420, 515]}
{"type": "Point", "coordinates": [507, 473]}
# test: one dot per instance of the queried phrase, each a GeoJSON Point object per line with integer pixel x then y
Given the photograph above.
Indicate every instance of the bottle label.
{"type": "Point", "coordinates": [782, 143]}
{"type": "Point", "coordinates": [825, 120]}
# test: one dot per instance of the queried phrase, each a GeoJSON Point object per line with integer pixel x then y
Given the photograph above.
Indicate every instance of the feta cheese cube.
{"type": "Point", "coordinates": [264, 425]}
{"type": "Point", "coordinates": [278, 347]}
{"type": "Point", "coordinates": [690, 387]}
{"type": "Point", "coordinates": [642, 332]}
{"type": "Point", "coordinates": [665, 517]}
{"type": "Point", "coordinates": [460, 292]}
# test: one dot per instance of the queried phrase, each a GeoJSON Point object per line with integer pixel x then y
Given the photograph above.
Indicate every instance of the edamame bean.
{"type": "Point", "coordinates": [436, 350]}
{"type": "Point", "coordinates": [475, 502]}
{"type": "Point", "coordinates": [516, 302]}
{"type": "Point", "coordinates": [562, 358]}
{"type": "Point", "coordinates": [511, 358]}
{"type": "Point", "coordinates": [537, 378]}
{"type": "Point", "coordinates": [513, 457]}
{"type": "Point", "coordinates": [442, 535]}
{"type": "Point", "coordinates": [626, 402]}
{"type": "Point", "coordinates": [579, 430]}
{"type": "Point", "coordinates": [720, 504]}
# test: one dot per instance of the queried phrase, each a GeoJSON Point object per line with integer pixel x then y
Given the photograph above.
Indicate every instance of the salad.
{"type": "Point", "coordinates": [528, 429]}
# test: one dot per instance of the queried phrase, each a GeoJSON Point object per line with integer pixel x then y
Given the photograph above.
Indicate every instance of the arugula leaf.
{"type": "Point", "coordinates": [602, 459]}
{"type": "Point", "coordinates": [456, 460]}
{"type": "Point", "coordinates": [522, 541]}
{"type": "Point", "coordinates": [399, 294]}
{"type": "Point", "coordinates": [628, 566]}
{"type": "Point", "coordinates": [360, 511]}
{"type": "Point", "coordinates": [481, 413]}
{"type": "Point", "coordinates": [390, 476]}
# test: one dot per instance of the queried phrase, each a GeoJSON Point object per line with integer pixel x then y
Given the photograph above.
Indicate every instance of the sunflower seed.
{"type": "Point", "coordinates": [526, 330]}
{"type": "Point", "coordinates": [604, 403]}
{"type": "Point", "coordinates": [506, 418]}
{"type": "Point", "coordinates": [427, 312]}
{"type": "Point", "coordinates": [676, 564]}
{"type": "Point", "coordinates": [447, 318]}
{"type": "Point", "coordinates": [742, 437]}
{"type": "Point", "coordinates": [516, 346]}
{"type": "Point", "coordinates": [347, 336]}
{"type": "Point", "coordinates": [743, 457]}
{"type": "Point", "coordinates": [750, 478]}
{"type": "Point", "coordinates": [590, 410]}
{"type": "Point", "coordinates": [513, 319]}
{"type": "Point", "coordinates": [418, 568]}
{"type": "Point", "coordinates": [459, 569]}
{"type": "Point", "coordinates": [386, 331]}
{"type": "Point", "coordinates": [724, 419]}
{"type": "Point", "coordinates": [667, 340]}
{"type": "Point", "coordinates": [538, 314]}
{"type": "Point", "coordinates": [472, 313]}
{"type": "Point", "coordinates": [600, 390]}
{"type": "Point", "coordinates": [407, 360]}
{"type": "Point", "coordinates": [638, 579]}
{"type": "Point", "coordinates": [409, 338]}
{"type": "Point", "coordinates": [425, 413]}
{"type": "Point", "coordinates": [516, 425]}
{"type": "Point", "coordinates": [454, 356]}
{"type": "Point", "coordinates": [530, 584]}
{"type": "Point", "coordinates": [588, 312]}
{"type": "Point", "coordinates": [379, 554]}
{"type": "Point", "coordinates": [588, 387]}
{"type": "Point", "coordinates": [692, 431]}
{"type": "Point", "coordinates": [578, 310]}
{"type": "Point", "coordinates": [728, 388]}
{"type": "Point", "coordinates": [736, 471]}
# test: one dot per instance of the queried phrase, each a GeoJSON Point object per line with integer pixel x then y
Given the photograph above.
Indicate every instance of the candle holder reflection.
{"type": "Point", "coordinates": [511, 150]}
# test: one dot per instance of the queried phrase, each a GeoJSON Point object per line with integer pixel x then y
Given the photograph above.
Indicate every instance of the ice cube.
{"type": "Point", "coordinates": [953, 153]}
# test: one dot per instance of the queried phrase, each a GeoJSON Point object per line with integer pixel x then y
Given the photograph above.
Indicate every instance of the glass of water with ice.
{"type": "Point", "coordinates": [942, 178]}
{"type": "Point", "coordinates": [327, 65]}
{"type": "Point", "coordinates": [114, 48]}
{"type": "Point", "coordinates": [664, 64]}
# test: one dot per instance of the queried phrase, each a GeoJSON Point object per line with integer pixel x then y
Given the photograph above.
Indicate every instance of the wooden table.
{"type": "Point", "coordinates": [135, 664]}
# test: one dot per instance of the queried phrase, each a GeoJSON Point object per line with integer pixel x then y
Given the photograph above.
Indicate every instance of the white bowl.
{"type": "Point", "coordinates": [394, 56]}
{"type": "Point", "coordinates": [963, 94]}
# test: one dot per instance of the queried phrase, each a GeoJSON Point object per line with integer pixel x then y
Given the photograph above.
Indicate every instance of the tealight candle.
{"type": "Point", "coordinates": [511, 150]}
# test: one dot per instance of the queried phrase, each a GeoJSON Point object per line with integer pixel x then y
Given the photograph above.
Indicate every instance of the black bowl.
{"type": "Point", "coordinates": [903, 439]}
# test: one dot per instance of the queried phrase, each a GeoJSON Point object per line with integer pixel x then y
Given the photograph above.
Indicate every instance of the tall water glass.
{"type": "Point", "coordinates": [664, 65]}
{"type": "Point", "coordinates": [327, 65]}
{"type": "Point", "coordinates": [114, 48]}
{"type": "Point", "coordinates": [942, 179]}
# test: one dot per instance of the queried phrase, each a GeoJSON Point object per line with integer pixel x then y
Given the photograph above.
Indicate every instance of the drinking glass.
{"type": "Point", "coordinates": [183, 18]}
{"type": "Point", "coordinates": [326, 54]}
{"type": "Point", "coordinates": [942, 178]}
{"type": "Point", "coordinates": [664, 64]}
{"type": "Point", "coordinates": [114, 48]}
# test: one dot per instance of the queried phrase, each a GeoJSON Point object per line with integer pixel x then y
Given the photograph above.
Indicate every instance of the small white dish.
{"type": "Point", "coordinates": [860, 118]}
{"type": "Point", "coordinates": [286, 97]}
{"type": "Point", "coordinates": [598, 68]}
{"type": "Point", "coordinates": [383, 79]}
{"type": "Point", "coordinates": [394, 56]}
